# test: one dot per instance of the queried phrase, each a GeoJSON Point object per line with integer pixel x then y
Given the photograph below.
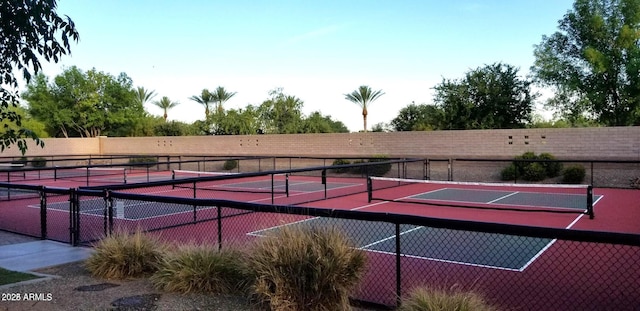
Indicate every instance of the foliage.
{"type": "Point", "coordinates": [204, 99]}
{"type": "Point", "coordinates": [430, 299]}
{"type": "Point", "coordinates": [553, 169]}
{"type": "Point", "coordinates": [509, 172]}
{"type": "Point", "coordinates": [492, 97]}
{"type": "Point", "coordinates": [202, 268]}
{"type": "Point", "coordinates": [22, 160]}
{"type": "Point", "coordinates": [85, 104]}
{"type": "Point", "coordinates": [306, 268]}
{"type": "Point", "coordinates": [281, 114]}
{"type": "Point", "coordinates": [231, 122]}
{"type": "Point", "coordinates": [317, 123]}
{"type": "Point", "coordinates": [380, 169]}
{"type": "Point", "coordinates": [230, 164]}
{"type": "Point", "coordinates": [143, 95]}
{"type": "Point", "coordinates": [418, 118]}
{"type": "Point", "coordinates": [534, 172]}
{"type": "Point", "coordinates": [123, 255]}
{"type": "Point", "coordinates": [337, 162]}
{"type": "Point", "coordinates": [144, 161]}
{"type": "Point", "coordinates": [172, 128]}
{"type": "Point", "coordinates": [221, 96]}
{"type": "Point", "coordinates": [363, 96]}
{"type": "Point", "coordinates": [521, 162]}
{"type": "Point", "coordinates": [532, 167]}
{"type": "Point", "coordinates": [165, 104]}
{"type": "Point", "coordinates": [592, 62]}
{"type": "Point", "coordinates": [573, 174]}
{"type": "Point", "coordinates": [38, 162]}
{"type": "Point", "coordinates": [28, 29]}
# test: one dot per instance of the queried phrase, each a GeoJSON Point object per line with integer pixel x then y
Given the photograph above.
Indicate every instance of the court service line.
{"type": "Point", "coordinates": [503, 197]}
{"type": "Point", "coordinates": [389, 238]}
{"type": "Point", "coordinates": [548, 245]}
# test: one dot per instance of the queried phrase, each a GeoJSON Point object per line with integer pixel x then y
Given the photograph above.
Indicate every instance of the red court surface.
{"type": "Point", "coordinates": [563, 275]}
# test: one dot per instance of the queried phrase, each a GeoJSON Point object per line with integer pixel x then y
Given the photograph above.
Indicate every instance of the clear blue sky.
{"type": "Point", "coordinates": [315, 50]}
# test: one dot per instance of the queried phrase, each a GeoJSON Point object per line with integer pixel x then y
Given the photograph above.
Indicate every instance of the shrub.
{"type": "Point", "coordinates": [123, 255]}
{"type": "Point", "coordinates": [230, 164]}
{"type": "Point", "coordinates": [522, 165]}
{"type": "Point", "coordinates": [21, 160]}
{"type": "Point", "coordinates": [358, 169]}
{"type": "Point", "coordinates": [509, 172]}
{"type": "Point", "coordinates": [144, 161]}
{"type": "Point", "coordinates": [573, 174]}
{"type": "Point", "coordinates": [534, 172]}
{"type": "Point", "coordinates": [372, 170]}
{"type": "Point", "coordinates": [38, 162]}
{"type": "Point", "coordinates": [553, 169]}
{"type": "Point", "coordinates": [341, 162]}
{"type": "Point", "coordinates": [427, 299]}
{"type": "Point", "coordinates": [300, 268]}
{"type": "Point", "coordinates": [379, 170]}
{"type": "Point", "coordinates": [201, 268]}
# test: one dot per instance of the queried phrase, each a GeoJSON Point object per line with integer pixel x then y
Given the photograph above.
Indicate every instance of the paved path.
{"type": "Point", "coordinates": [22, 253]}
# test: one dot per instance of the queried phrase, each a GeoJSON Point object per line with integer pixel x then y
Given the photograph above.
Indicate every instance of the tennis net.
{"type": "Point", "coordinates": [232, 182]}
{"type": "Point", "coordinates": [553, 198]}
{"type": "Point", "coordinates": [108, 174]}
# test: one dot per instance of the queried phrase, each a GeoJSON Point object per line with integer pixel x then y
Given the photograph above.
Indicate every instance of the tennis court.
{"type": "Point", "coordinates": [435, 244]}
{"type": "Point", "coordinates": [439, 256]}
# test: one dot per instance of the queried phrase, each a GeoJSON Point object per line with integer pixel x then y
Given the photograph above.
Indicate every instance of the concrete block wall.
{"type": "Point", "coordinates": [619, 143]}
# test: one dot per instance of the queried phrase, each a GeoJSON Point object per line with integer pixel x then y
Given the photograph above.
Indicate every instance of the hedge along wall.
{"type": "Point", "coordinates": [621, 143]}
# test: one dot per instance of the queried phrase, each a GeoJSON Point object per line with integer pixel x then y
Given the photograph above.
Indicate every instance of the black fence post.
{"type": "Point", "coordinates": [43, 214]}
{"type": "Point", "coordinates": [74, 218]}
{"type": "Point", "coordinates": [398, 268]}
{"type": "Point", "coordinates": [219, 221]}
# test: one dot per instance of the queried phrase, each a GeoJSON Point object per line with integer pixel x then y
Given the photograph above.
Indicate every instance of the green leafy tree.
{"type": "Point", "coordinates": [165, 104]}
{"type": "Point", "coordinates": [28, 30]}
{"type": "Point", "coordinates": [204, 99]}
{"type": "Point", "coordinates": [85, 104]}
{"type": "Point", "coordinates": [318, 123]}
{"type": "Point", "coordinates": [363, 97]}
{"type": "Point", "coordinates": [592, 62]}
{"type": "Point", "coordinates": [235, 122]}
{"type": "Point", "coordinates": [221, 96]}
{"type": "Point", "coordinates": [418, 118]}
{"type": "Point", "coordinates": [281, 114]}
{"type": "Point", "coordinates": [487, 98]}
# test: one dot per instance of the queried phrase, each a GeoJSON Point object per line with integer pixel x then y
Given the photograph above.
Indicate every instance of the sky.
{"type": "Point", "coordinates": [317, 51]}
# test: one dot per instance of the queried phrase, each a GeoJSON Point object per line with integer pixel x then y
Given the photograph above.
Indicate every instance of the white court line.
{"type": "Point", "coordinates": [503, 197]}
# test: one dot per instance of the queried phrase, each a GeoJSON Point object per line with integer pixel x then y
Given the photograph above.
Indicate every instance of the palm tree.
{"type": "Point", "coordinates": [220, 96]}
{"type": "Point", "coordinates": [362, 97]}
{"type": "Point", "coordinates": [143, 95]}
{"type": "Point", "coordinates": [165, 104]}
{"type": "Point", "coordinates": [204, 100]}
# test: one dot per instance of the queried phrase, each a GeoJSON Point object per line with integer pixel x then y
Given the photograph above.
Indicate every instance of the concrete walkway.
{"type": "Point", "coordinates": [32, 255]}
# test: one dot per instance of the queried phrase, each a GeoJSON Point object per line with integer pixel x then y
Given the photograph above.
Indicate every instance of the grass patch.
{"type": "Point", "coordinates": [303, 268]}
{"type": "Point", "coordinates": [124, 255]}
{"type": "Point", "coordinates": [10, 277]}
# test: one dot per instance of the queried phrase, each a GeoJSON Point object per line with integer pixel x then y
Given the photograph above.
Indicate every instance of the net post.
{"type": "Point", "coordinates": [369, 189]}
{"type": "Point", "coordinates": [286, 184]}
{"type": "Point", "coordinates": [173, 177]}
{"type": "Point", "coordinates": [590, 202]}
